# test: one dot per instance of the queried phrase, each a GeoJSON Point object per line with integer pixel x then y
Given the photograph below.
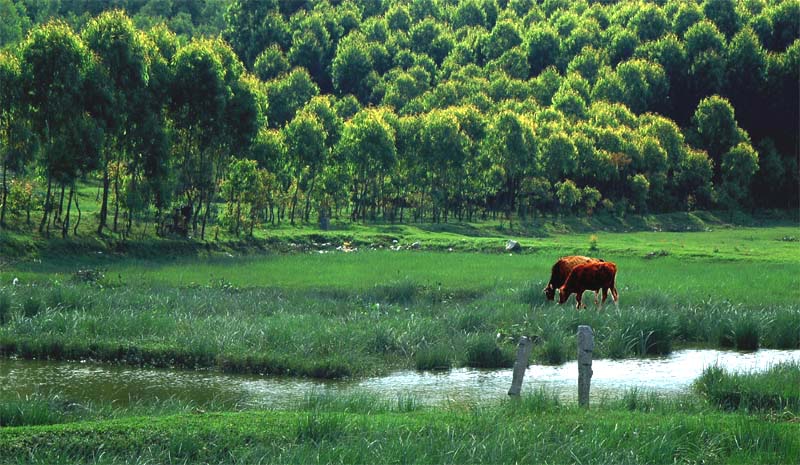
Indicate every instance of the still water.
{"type": "Point", "coordinates": [80, 382]}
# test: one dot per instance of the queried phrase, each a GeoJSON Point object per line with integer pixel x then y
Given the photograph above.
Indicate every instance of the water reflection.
{"type": "Point", "coordinates": [83, 382]}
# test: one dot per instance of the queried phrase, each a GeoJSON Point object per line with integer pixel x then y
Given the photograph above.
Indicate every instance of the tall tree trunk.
{"type": "Point", "coordinates": [104, 203]}
{"type": "Point", "coordinates": [57, 215]}
{"type": "Point", "coordinates": [78, 221]}
{"type": "Point", "coordinates": [65, 224]}
{"type": "Point", "coordinates": [116, 198]}
{"type": "Point", "coordinates": [308, 198]}
{"type": "Point", "coordinates": [210, 196]}
{"type": "Point", "coordinates": [294, 202]}
{"type": "Point", "coordinates": [4, 195]}
{"type": "Point", "coordinates": [46, 211]}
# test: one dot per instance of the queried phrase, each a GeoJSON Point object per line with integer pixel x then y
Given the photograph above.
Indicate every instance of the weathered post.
{"type": "Point", "coordinates": [520, 365]}
{"type": "Point", "coordinates": [585, 348]}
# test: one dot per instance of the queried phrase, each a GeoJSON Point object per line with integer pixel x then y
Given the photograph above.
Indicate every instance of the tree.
{"type": "Point", "coordinates": [716, 130]}
{"type": "Point", "coordinates": [468, 13]}
{"type": "Point", "coordinates": [368, 145]}
{"type": "Point", "coordinates": [649, 22]}
{"type": "Point", "coordinates": [511, 146]}
{"type": "Point", "coordinates": [305, 147]}
{"type": "Point", "coordinates": [559, 156]}
{"type": "Point", "coordinates": [287, 95]}
{"type": "Point", "coordinates": [121, 52]}
{"type": "Point", "coordinates": [351, 67]}
{"type": "Point", "coordinates": [15, 22]}
{"type": "Point", "coordinates": [644, 85]}
{"type": "Point", "coordinates": [198, 97]}
{"type": "Point", "coordinates": [241, 178]}
{"type": "Point", "coordinates": [568, 194]}
{"type": "Point", "coordinates": [271, 63]}
{"type": "Point", "coordinates": [737, 169]}
{"type": "Point", "coordinates": [312, 49]}
{"type": "Point", "coordinates": [543, 44]}
{"type": "Point", "coordinates": [639, 189]}
{"type": "Point", "coordinates": [252, 25]}
{"type": "Point", "coordinates": [693, 179]}
{"type": "Point", "coordinates": [440, 150]}
{"type": "Point", "coordinates": [723, 14]}
{"type": "Point", "coordinates": [54, 65]}
{"type": "Point", "coordinates": [10, 113]}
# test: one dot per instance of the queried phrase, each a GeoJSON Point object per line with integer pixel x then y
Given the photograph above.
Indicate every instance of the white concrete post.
{"type": "Point", "coordinates": [585, 348]}
{"type": "Point", "coordinates": [520, 365]}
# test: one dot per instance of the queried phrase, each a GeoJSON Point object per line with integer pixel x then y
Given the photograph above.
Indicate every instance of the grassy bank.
{"type": "Point", "coordinates": [536, 429]}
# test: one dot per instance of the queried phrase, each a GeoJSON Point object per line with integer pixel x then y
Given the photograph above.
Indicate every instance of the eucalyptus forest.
{"type": "Point", "coordinates": [248, 113]}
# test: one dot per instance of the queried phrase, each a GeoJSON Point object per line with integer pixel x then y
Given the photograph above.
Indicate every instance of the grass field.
{"type": "Point", "coordinates": [638, 428]}
{"type": "Point", "coordinates": [318, 311]}
{"type": "Point", "coordinates": [296, 304]}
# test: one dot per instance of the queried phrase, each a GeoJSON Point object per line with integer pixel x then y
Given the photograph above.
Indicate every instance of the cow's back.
{"type": "Point", "coordinates": [593, 275]}
{"type": "Point", "coordinates": [564, 266]}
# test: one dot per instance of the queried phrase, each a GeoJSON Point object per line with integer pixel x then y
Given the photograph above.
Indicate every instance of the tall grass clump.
{"type": "Point", "coordinates": [68, 298]}
{"type": "Point", "coordinates": [782, 331]}
{"type": "Point", "coordinates": [556, 347]}
{"type": "Point", "coordinates": [403, 292]}
{"type": "Point", "coordinates": [775, 389]}
{"type": "Point", "coordinates": [5, 308]}
{"type": "Point", "coordinates": [28, 412]}
{"type": "Point", "coordinates": [483, 352]}
{"type": "Point", "coordinates": [653, 331]}
{"type": "Point", "coordinates": [433, 357]}
{"type": "Point", "coordinates": [746, 332]}
{"type": "Point", "coordinates": [31, 307]}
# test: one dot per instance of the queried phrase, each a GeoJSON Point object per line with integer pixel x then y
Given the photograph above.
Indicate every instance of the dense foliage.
{"type": "Point", "coordinates": [254, 111]}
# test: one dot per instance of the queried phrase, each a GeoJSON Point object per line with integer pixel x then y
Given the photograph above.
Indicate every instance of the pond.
{"type": "Point", "coordinates": [81, 382]}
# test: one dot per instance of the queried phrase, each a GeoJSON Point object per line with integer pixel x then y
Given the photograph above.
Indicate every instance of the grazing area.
{"type": "Point", "coordinates": [204, 203]}
{"type": "Point", "coordinates": [329, 313]}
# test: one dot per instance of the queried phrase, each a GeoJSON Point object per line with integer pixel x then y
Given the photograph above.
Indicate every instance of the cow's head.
{"type": "Point", "coordinates": [550, 292]}
{"type": "Point", "coordinates": [563, 295]}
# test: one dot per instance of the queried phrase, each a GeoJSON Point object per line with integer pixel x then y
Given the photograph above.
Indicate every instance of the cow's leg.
{"type": "Point", "coordinates": [605, 295]}
{"type": "Point", "coordinates": [614, 295]}
{"type": "Point", "coordinates": [596, 295]}
{"type": "Point", "coordinates": [579, 298]}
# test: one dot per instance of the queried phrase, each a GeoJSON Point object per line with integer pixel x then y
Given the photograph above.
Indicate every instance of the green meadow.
{"type": "Point", "coordinates": [361, 301]}
{"type": "Point", "coordinates": [365, 300]}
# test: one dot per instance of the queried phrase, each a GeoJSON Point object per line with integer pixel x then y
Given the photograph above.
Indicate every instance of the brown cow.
{"type": "Point", "coordinates": [560, 271]}
{"type": "Point", "coordinates": [594, 276]}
